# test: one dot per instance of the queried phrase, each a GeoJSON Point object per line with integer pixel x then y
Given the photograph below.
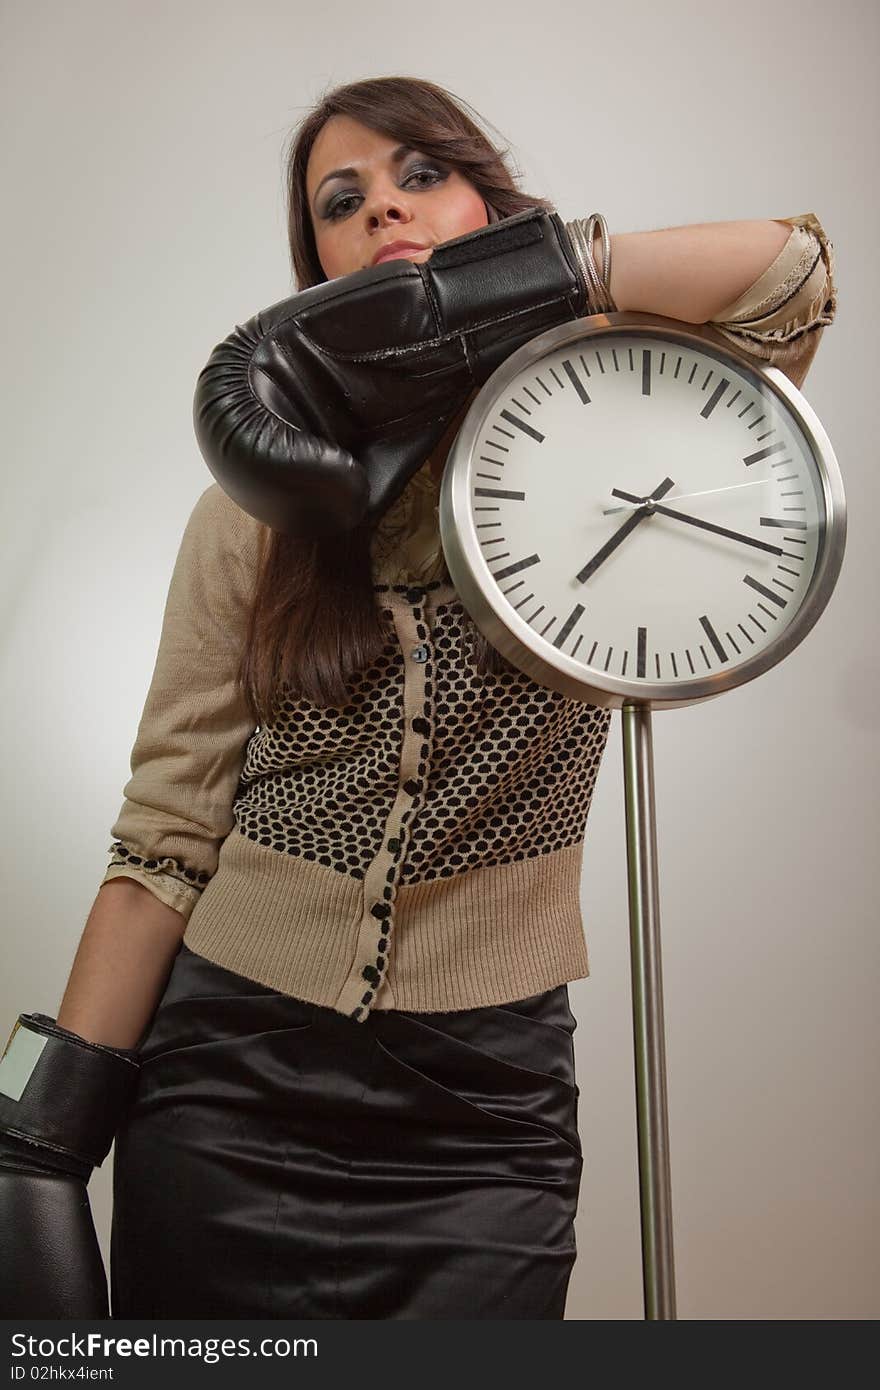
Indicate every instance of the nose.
{"type": "Point", "coordinates": [386, 204]}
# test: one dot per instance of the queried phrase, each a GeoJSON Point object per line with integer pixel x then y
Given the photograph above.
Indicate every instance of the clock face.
{"type": "Point", "coordinates": [638, 512]}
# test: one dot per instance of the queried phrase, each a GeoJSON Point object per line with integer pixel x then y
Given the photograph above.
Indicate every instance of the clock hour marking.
{"type": "Point", "coordinates": [574, 616]}
{"type": "Point", "coordinates": [646, 375]}
{"type": "Point", "coordinates": [763, 453]}
{"type": "Point", "coordinates": [713, 638]}
{"type": "Point", "coordinates": [789, 525]}
{"type": "Point", "coordinates": [576, 381]}
{"type": "Point", "coordinates": [499, 492]}
{"type": "Point", "coordinates": [714, 398]}
{"type": "Point", "coordinates": [641, 650]}
{"type": "Point", "coordinates": [762, 589]}
{"type": "Point", "coordinates": [521, 425]}
{"type": "Point", "coordinates": [517, 566]}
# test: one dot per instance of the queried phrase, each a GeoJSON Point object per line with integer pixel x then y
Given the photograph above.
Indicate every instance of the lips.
{"type": "Point", "coordinates": [393, 248]}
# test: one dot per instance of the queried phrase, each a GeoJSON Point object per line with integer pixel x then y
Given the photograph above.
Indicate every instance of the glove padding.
{"type": "Point", "coordinates": [314, 415]}
{"type": "Point", "coordinates": [61, 1100]}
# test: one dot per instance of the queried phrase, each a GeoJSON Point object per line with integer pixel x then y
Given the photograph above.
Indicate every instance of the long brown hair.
{"type": "Point", "coordinates": [315, 619]}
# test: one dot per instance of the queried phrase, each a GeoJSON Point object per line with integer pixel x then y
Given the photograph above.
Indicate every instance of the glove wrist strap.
{"type": "Point", "coordinates": [63, 1092]}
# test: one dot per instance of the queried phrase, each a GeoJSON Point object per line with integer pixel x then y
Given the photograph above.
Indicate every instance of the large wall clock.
{"type": "Point", "coordinates": [633, 511]}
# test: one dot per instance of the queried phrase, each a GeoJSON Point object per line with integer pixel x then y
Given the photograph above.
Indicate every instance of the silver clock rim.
{"type": "Point", "coordinates": [510, 633]}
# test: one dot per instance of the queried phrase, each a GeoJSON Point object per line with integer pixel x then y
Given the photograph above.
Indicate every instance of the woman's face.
{"type": "Point", "coordinates": [386, 194]}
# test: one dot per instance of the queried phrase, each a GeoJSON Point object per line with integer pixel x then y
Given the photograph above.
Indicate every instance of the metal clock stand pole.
{"type": "Point", "coordinates": [658, 1274]}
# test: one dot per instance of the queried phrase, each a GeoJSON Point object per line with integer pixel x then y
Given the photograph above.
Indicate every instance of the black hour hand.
{"type": "Point", "coordinates": [623, 531]}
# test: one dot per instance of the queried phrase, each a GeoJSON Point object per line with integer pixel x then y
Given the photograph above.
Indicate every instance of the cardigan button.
{"type": "Point", "coordinates": [420, 653]}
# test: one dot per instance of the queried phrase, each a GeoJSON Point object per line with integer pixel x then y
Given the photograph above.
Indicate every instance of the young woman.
{"type": "Point", "coordinates": [327, 968]}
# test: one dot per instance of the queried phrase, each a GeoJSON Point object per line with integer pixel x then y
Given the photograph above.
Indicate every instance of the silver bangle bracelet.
{"type": "Point", "coordinates": [581, 233]}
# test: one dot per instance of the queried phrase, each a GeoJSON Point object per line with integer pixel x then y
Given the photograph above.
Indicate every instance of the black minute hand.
{"type": "Point", "coordinates": [695, 521]}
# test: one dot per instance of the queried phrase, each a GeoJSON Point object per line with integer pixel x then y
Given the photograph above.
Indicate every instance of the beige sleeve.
{"type": "Point", "coordinates": [780, 319]}
{"type": "Point", "coordinates": [192, 738]}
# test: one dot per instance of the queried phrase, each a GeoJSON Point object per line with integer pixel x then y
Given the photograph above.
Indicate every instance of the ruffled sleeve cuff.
{"type": "Point", "coordinates": [167, 879]}
{"type": "Point", "coordinates": [781, 317]}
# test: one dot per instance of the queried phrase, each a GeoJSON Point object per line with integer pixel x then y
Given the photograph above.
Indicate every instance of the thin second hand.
{"type": "Point", "coordinates": [708, 493]}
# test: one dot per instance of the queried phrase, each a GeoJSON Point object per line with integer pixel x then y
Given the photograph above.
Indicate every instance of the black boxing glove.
{"type": "Point", "coordinates": [61, 1101]}
{"type": "Point", "coordinates": [314, 415]}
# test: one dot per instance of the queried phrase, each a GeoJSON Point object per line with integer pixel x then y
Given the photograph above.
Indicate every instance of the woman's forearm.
{"type": "Point", "coordinates": [122, 965]}
{"type": "Point", "coordinates": [690, 273]}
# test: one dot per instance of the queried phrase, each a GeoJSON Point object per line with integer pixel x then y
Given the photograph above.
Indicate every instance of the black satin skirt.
{"type": "Point", "coordinates": [279, 1160]}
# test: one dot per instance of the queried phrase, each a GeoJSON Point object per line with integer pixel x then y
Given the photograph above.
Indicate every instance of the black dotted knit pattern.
{"type": "Point", "coordinates": [513, 765]}
{"type": "Point", "coordinates": [319, 783]}
{"type": "Point", "coordinates": [506, 772]}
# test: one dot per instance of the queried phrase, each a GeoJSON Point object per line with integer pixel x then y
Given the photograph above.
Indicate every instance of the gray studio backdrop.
{"type": "Point", "coordinates": [144, 217]}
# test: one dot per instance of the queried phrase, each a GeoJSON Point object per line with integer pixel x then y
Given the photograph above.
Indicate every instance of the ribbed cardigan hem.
{"type": "Point", "coordinates": [488, 936]}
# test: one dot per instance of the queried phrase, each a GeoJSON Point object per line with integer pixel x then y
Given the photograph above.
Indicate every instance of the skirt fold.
{"type": "Point", "coordinates": [279, 1160]}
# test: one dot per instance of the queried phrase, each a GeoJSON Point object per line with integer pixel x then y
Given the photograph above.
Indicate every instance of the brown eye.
{"type": "Point", "coordinates": [334, 208]}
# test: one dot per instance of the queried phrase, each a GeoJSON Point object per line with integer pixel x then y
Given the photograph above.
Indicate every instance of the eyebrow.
{"type": "Point", "coordinates": [396, 156]}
